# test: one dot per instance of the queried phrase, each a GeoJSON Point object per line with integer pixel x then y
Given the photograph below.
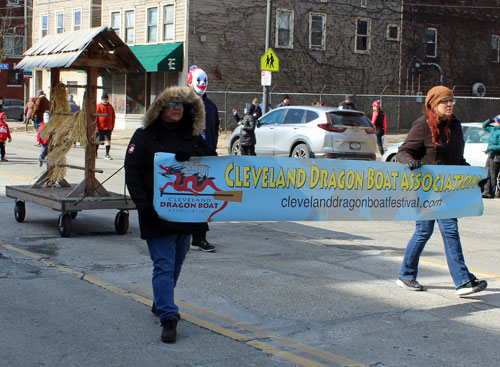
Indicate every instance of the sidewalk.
{"type": "Point", "coordinates": [122, 137]}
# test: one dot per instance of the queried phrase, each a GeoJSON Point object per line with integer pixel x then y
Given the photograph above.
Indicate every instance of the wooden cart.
{"type": "Point", "coordinates": [93, 51]}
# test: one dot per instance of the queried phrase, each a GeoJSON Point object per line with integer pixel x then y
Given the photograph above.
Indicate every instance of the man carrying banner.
{"type": "Point", "coordinates": [172, 124]}
{"type": "Point", "coordinates": [436, 138]}
{"type": "Point", "coordinates": [198, 81]}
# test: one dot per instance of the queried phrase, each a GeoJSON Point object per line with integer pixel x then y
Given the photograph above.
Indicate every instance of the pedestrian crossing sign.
{"type": "Point", "coordinates": [269, 61]}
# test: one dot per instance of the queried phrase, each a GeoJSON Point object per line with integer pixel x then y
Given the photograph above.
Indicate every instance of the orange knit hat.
{"type": "Point", "coordinates": [436, 95]}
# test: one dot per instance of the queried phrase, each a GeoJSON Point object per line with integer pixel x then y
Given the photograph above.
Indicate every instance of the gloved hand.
{"type": "Point", "coordinates": [10, 140]}
{"type": "Point", "coordinates": [149, 213]}
{"type": "Point", "coordinates": [182, 156]}
{"type": "Point", "coordinates": [414, 164]}
{"type": "Point", "coordinates": [482, 183]}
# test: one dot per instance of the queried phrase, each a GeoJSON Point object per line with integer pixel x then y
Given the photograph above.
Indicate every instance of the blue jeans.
{"type": "Point", "coordinates": [452, 247]}
{"type": "Point", "coordinates": [168, 254]}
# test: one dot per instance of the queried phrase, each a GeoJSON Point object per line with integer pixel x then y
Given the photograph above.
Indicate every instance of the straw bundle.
{"type": "Point", "coordinates": [62, 131]}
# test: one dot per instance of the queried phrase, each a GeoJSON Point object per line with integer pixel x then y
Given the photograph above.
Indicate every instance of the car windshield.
{"type": "Point", "coordinates": [474, 134]}
{"type": "Point", "coordinates": [347, 118]}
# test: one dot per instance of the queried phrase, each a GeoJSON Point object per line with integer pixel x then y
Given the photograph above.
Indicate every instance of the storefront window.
{"type": "Point", "coordinates": [119, 93]}
{"type": "Point", "coordinates": [136, 93]}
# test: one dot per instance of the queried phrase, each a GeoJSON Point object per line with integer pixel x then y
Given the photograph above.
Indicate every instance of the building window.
{"type": "Point", "coordinates": [115, 22]}
{"type": "Point", "coordinates": [13, 2]}
{"type": "Point", "coordinates": [317, 27]}
{"type": "Point", "coordinates": [431, 42]}
{"type": "Point", "coordinates": [393, 32]}
{"type": "Point", "coordinates": [168, 22]}
{"type": "Point", "coordinates": [364, 3]}
{"type": "Point", "coordinates": [284, 28]}
{"type": "Point", "coordinates": [71, 87]}
{"type": "Point", "coordinates": [152, 25]}
{"type": "Point", "coordinates": [15, 77]}
{"type": "Point", "coordinates": [59, 22]}
{"type": "Point", "coordinates": [495, 48]}
{"type": "Point", "coordinates": [362, 35]}
{"type": "Point", "coordinates": [129, 26]}
{"type": "Point", "coordinates": [13, 45]}
{"type": "Point", "coordinates": [77, 19]}
{"type": "Point", "coordinates": [44, 25]}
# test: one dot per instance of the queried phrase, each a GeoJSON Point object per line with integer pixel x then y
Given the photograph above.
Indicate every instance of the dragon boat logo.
{"type": "Point", "coordinates": [188, 188]}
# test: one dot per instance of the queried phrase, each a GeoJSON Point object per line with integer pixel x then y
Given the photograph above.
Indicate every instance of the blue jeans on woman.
{"type": "Point", "coordinates": [452, 246]}
{"type": "Point", "coordinates": [168, 254]}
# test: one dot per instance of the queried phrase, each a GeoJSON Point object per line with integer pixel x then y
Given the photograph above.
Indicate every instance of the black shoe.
{"type": "Point", "coordinates": [40, 162]}
{"type": "Point", "coordinates": [487, 196]}
{"type": "Point", "coordinates": [471, 287]}
{"type": "Point", "coordinates": [169, 332]}
{"type": "Point", "coordinates": [203, 245]}
{"type": "Point", "coordinates": [410, 284]}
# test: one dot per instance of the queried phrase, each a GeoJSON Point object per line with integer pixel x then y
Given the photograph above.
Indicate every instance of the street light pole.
{"type": "Point", "coordinates": [265, 92]}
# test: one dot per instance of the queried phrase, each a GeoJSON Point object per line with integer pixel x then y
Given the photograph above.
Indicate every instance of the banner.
{"type": "Point", "coordinates": [250, 188]}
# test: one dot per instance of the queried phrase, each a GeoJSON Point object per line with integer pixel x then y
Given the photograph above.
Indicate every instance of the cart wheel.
{"type": "Point", "coordinates": [121, 222]}
{"type": "Point", "coordinates": [73, 215]}
{"type": "Point", "coordinates": [64, 225]}
{"type": "Point", "coordinates": [19, 211]}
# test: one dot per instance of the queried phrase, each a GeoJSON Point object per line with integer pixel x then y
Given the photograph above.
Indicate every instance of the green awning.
{"type": "Point", "coordinates": [161, 57]}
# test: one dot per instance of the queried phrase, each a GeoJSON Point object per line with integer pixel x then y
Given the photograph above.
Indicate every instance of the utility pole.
{"type": "Point", "coordinates": [265, 92]}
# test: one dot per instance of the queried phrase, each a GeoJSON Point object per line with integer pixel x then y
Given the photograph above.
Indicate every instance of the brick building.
{"type": "Point", "coordinates": [344, 46]}
{"type": "Point", "coordinates": [13, 27]}
{"type": "Point", "coordinates": [458, 42]}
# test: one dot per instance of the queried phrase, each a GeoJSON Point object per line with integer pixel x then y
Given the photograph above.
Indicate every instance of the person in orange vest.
{"type": "Point", "coordinates": [105, 124]}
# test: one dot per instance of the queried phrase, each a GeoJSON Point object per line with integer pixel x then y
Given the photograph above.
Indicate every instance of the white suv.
{"type": "Point", "coordinates": [312, 132]}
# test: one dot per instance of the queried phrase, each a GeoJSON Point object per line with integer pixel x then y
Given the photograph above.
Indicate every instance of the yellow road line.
{"type": "Point", "coordinates": [267, 348]}
{"type": "Point", "coordinates": [261, 332]}
{"type": "Point", "coordinates": [10, 175]}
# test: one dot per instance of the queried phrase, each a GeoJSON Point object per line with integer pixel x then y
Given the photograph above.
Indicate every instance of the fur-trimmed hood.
{"type": "Point", "coordinates": [194, 109]}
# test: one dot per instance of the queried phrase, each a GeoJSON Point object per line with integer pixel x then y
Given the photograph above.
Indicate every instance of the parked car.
{"type": "Point", "coordinates": [312, 132]}
{"type": "Point", "coordinates": [14, 108]}
{"type": "Point", "coordinates": [476, 142]}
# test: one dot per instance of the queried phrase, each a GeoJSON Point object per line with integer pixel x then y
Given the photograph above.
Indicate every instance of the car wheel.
{"type": "Point", "coordinates": [393, 159]}
{"type": "Point", "coordinates": [235, 147]}
{"type": "Point", "coordinates": [301, 151]}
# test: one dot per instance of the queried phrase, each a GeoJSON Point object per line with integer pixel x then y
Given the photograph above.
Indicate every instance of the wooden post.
{"type": "Point", "coordinates": [90, 108]}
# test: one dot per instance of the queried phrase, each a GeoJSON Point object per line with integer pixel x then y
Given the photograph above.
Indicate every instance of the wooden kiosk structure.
{"type": "Point", "coordinates": [91, 50]}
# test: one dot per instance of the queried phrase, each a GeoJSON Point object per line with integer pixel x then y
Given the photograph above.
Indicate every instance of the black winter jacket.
{"type": "Point", "coordinates": [157, 136]}
{"type": "Point", "coordinates": [418, 145]}
{"type": "Point", "coordinates": [211, 122]}
{"type": "Point", "coordinates": [247, 132]}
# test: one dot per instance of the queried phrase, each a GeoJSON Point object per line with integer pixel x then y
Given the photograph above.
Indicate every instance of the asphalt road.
{"type": "Point", "coordinates": [274, 293]}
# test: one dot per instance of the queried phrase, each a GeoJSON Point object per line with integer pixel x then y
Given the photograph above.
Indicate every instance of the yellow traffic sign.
{"type": "Point", "coordinates": [269, 62]}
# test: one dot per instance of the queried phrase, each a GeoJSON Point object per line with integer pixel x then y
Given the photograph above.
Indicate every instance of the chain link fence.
{"type": "Point", "coordinates": [401, 111]}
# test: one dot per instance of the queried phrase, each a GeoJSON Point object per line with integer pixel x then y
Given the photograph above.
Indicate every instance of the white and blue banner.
{"type": "Point", "coordinates": [250, 188]}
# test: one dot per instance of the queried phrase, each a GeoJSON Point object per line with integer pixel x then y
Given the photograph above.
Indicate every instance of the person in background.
{"type": "Point", "coordinates": [379, 120]}
{"type": "Point", "coordinates": [172, 124]}
{"type": "Point", "coordinates": [436, 138]}
{"type": "Point", "coordinates": [284, 102]}
{"type": "Point", "coordinates": [198, 81]}
{"type": "Point", "coordinates": [258, 110]}
{"type": "Point", "coordinates": [44, 142]}
{"type": "Point", "coordinates": [72, 104]}
{"type": "Point", "coordinates": [28, 112]}
{"type": "Point", "coordinates": [347, 104]}
{"type": "Point", "coordinates": [493, 163]}
{"type": "Point", "coordinates": [105, 124]}
{"type": "Point", "coordinates": [4, 135]}
{"type": "Point", "coordinates": [42, 105]}
{"type": "Point", "coordinates": [247, 132]}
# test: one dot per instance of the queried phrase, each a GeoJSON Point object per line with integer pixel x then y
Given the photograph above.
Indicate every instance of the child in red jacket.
{"type": "Point", "coordinates": [4, 135]}
{"type": "Point", "coordinates": [44, 142]}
